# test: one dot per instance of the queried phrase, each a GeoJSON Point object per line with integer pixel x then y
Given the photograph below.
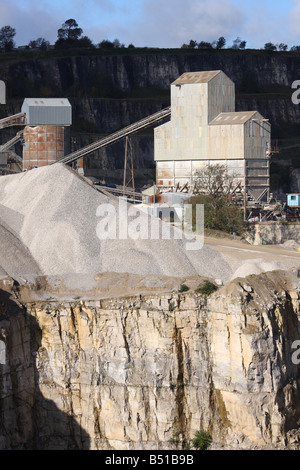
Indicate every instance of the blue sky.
{"type": "Point", "coordinates": [159, 23]}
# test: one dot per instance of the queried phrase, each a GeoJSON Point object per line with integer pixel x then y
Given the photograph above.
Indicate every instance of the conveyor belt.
{"type": "Point", "coordinates": [14, 120]}
{"type": "Point", "coordinates": [112, 138]}
{"type": "Point", "coordinates": [10, 143]}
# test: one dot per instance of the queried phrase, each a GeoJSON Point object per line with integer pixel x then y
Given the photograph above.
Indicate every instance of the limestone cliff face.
{"type": "Point", "coordinates": [102, 90]}
{"type": "Point", "coordinates": [148, 371]}
{"type": "Point", "coordinates": [143, 70]}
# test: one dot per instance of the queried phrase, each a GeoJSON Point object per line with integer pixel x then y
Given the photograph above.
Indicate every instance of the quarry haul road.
{"type": "Point", "coordinates": [242, 256]}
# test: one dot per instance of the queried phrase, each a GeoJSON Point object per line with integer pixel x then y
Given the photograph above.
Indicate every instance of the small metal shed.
{"type": "Point", "coordinates": [47, 111]}
{"type": "Point", "coordinates": [293, 200]}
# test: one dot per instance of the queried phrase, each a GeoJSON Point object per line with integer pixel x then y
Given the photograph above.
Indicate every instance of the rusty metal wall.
{"type": "Point", "coordinates": [43, 145]}
{"type": "Point", "coordinates": [221, 96]}
{"type": "Point", "coordinates": [195, 99]}
{"type": "Point", "coordinates": [257, 137]}
{"type": "Point", "coordinates": [169, 173]}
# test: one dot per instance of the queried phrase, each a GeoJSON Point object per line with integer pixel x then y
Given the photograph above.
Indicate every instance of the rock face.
{"type": "Point", "coordinates": [148, 371]}
{"type": "Point", "coordinates": [108, 92]}
{"type": "Point", "coordinates": [295, 181]}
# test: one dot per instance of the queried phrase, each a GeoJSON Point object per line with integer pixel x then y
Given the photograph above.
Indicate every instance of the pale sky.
{"type": "Point", "coordinates": [158, 23]}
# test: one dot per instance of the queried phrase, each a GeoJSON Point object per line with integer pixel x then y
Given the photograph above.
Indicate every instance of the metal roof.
{"type": "Point", "coordinates": [57, 102]}
{"type": "Point", "coordinates": [47, 111]}
{"type": "Point", "coordinates": [196, 77]}
{"type": "Point", "coordinates": [232, 118]}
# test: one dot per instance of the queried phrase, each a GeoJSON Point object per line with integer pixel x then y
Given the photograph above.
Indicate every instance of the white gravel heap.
{"type": "Point", "coordinates": [48, 225]}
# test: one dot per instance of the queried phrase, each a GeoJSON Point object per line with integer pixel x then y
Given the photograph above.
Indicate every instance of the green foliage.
{"type": "Point", "coordinates": [206, 288]}
{"type": "Point", "coordinates": [238, 44]}
{"type": "Point", "coordinates": [212, 189]}
{"type": "Point", "coordinates": [70, 37]}
{"type": "Point", "coordinates": [172, 306]}
{"type": "Point", "coordinates": [7, 34]}
{"type": "Point", "coordinates": [183, 384]}
{"type": "Point", "coordinates": [201, 441]}
{"type": "Point", "coordinates": [220, 43]}
{"type": "Point", "coordinates": [69, 30]}
{"type": "Point", "coordinates": [219, 214]}
{"type": "Point", "coordinates": [270, 47]}
{"type": "Point", "coordinates": [180, 385]}
{"type": "Point", "coordinates": [106, 44]}
{"type": "Point", "coordinates": [205, 45]}
{"type": "Point", "coordinates": [175, 440]}
{"type": "Point", "coordinates": [39, 43]}
{"type": "Point", "coordinates": [183, 288]}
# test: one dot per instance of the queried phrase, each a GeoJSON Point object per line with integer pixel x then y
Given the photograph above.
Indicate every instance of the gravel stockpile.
{"type": "Point", "coordinates": [50, 213]}
{"type": "Point", "coordinates": [291, 245]}
{"type": "Point", "coordinates": [256, 266]}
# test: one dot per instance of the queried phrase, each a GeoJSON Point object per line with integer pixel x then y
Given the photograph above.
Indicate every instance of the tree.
{"type": "Point", "coordinates": [39, 43]}
{"type": "Point", "coordinates": [282, 46]}
{"type": "Point", "coordinates": [106, 44]}
{"type": "Point", "coordinates": [213, 180]}
{"type": "Point", "coordinates": [192, 44]}
{"type": "Point", "coordinates": [7, 34]}
{"type": "Point", "coordinates": [213, 186]}
{"type": "Point", "coordinates": [204, 45]}
{"type": "Point", "coordinates": [269, 46]}
{"type": "Point", "coordinates": [85, 42]}
{"type": "Point", "coordinates": [201, 441]}
{"type": "Point", "coordinates": [220, 43]}
{"type": "Point", "coordinates": [70, 36]}
{"type": "Point", "coordinates": [238, 44]}
{"type": "Point", "coordinates": [69, 30]}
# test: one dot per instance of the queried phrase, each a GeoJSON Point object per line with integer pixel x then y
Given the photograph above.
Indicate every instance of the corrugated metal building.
{"type": "Point", "coordinates": [47, 111]}
{"type": "Point", "coordinates": [205, 129]}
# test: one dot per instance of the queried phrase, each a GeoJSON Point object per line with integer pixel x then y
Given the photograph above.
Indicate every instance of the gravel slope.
{"type": "Point", "coordinates": [50, 214]}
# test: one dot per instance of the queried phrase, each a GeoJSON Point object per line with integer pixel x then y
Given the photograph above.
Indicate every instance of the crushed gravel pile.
{"type": "Point", "coordinates": [291, 245]}
{"type": "Point", "coordinates": [256, 266]}
{"type": "Point", "coordinates": [50, 225]}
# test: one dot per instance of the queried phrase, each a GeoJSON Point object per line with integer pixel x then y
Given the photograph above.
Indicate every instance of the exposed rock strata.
{"type": "Point", "coordinates": [108, 92]}
{"type": "Point", "coordinates": [135, 373]}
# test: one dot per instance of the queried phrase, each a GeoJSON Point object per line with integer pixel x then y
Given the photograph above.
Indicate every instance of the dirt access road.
{"type": "Point", "coordinates": [252, 259]}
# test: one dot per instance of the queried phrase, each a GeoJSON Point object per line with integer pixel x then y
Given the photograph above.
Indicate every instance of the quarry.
{"type": "Point", "coordinates": [108, 339]}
